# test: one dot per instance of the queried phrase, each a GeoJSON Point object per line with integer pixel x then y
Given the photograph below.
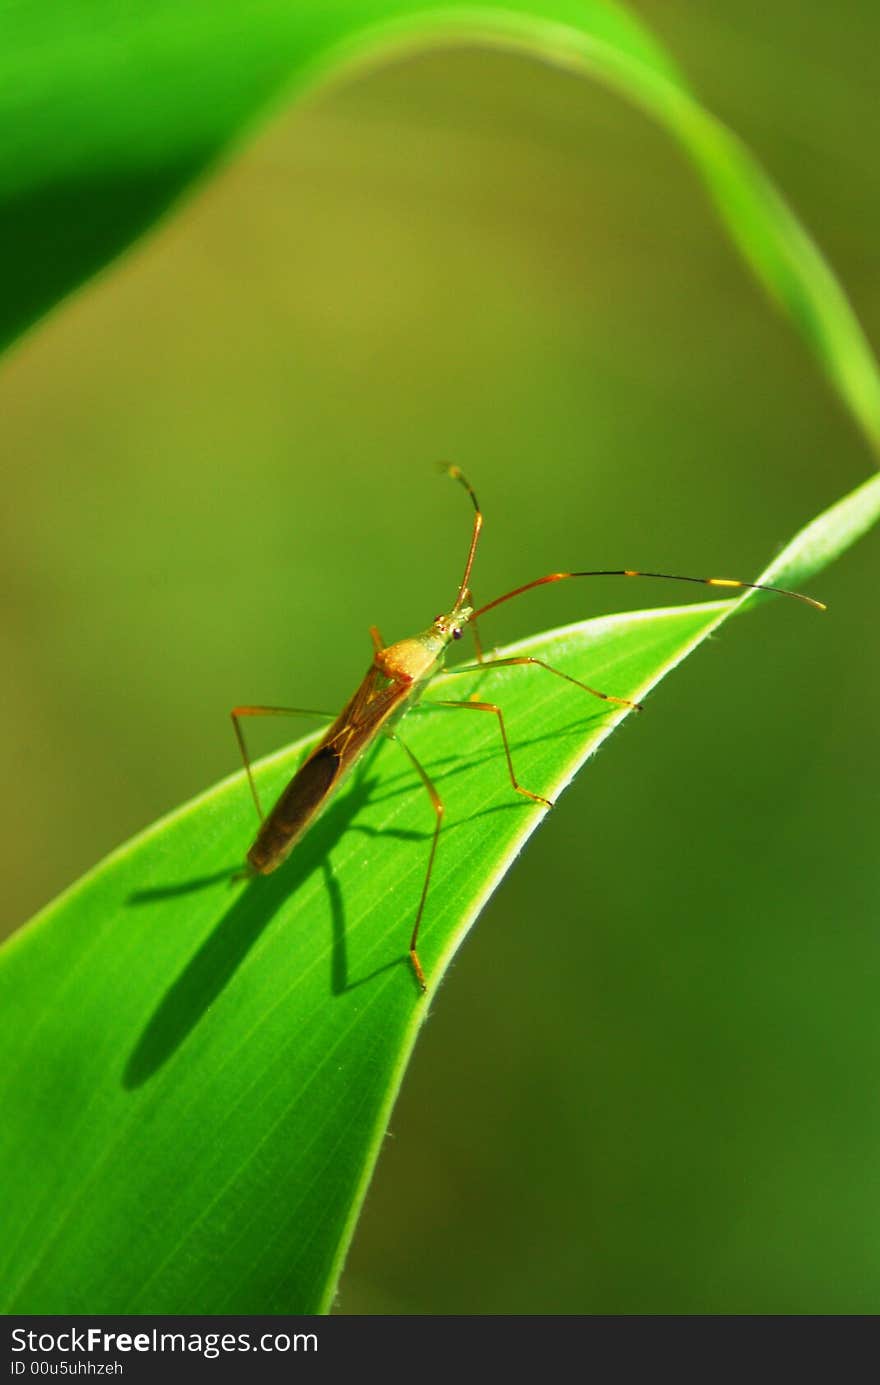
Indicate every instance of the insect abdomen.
{"type": "Point", "coordinates": [295, 810]}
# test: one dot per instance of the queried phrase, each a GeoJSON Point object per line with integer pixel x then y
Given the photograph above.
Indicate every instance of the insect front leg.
{"type": "Point", "coordinates": [485, 664]}
{"type": "Point", "coordinates": [238, 712]}
{"type": "Point", "coordinates": [439, 809]}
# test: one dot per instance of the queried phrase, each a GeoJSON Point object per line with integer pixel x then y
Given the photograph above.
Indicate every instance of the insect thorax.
{"type": "Point", "coordinates": [417, 658]}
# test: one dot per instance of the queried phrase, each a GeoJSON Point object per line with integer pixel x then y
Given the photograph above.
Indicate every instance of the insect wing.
{"type": "Point", "coordinates": [312, 785]}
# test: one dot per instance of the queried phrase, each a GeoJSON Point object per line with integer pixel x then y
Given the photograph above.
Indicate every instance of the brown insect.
{"type": "Point", "coordinates": [394, 682]}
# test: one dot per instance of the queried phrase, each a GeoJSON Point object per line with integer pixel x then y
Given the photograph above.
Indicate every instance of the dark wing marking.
{"type": "Point", "coordinates": [300, 802]}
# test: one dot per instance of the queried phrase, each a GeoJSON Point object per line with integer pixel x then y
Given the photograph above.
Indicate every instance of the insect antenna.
{"type": "Point", "coordinates": [458, 475]}
{"type": "Point", "coordinates": [665, 576]}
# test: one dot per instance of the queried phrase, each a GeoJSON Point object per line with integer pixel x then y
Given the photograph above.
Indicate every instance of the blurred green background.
{"type": "Point", "coordinates": [650, 1083]}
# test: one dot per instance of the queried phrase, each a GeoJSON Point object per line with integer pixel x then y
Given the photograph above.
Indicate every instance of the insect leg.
{"type": "Point", "coordinates": [238, 712]}
{"type": "Point", "coordinates": [539, 663]}
{"type": "Point", "coordinates": [478, 643]}
{"type": "Point", "coordinates": [439, 810]}
{"type": "Point", "coordinates": [378, 642]}
{"type": "Point", "coordinates": [496, 711]}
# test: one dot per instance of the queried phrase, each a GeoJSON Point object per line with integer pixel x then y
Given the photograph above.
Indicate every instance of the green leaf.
{"type": "Point", "coordinates": [196, 1075]}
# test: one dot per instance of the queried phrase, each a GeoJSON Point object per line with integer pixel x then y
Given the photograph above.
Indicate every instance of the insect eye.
{"type": "Point", "coordinates": [456, 634]}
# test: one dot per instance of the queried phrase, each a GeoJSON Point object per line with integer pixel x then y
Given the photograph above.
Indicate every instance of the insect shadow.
{"type": "Point", "coordinates": [212, 967]}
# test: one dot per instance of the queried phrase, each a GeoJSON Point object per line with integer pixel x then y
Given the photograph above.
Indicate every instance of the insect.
{"type": "Point", "coordinates": [394, 682]}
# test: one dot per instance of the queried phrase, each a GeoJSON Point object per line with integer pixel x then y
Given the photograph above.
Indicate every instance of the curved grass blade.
{"type": "Point", "coordinates": [88, 165]}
